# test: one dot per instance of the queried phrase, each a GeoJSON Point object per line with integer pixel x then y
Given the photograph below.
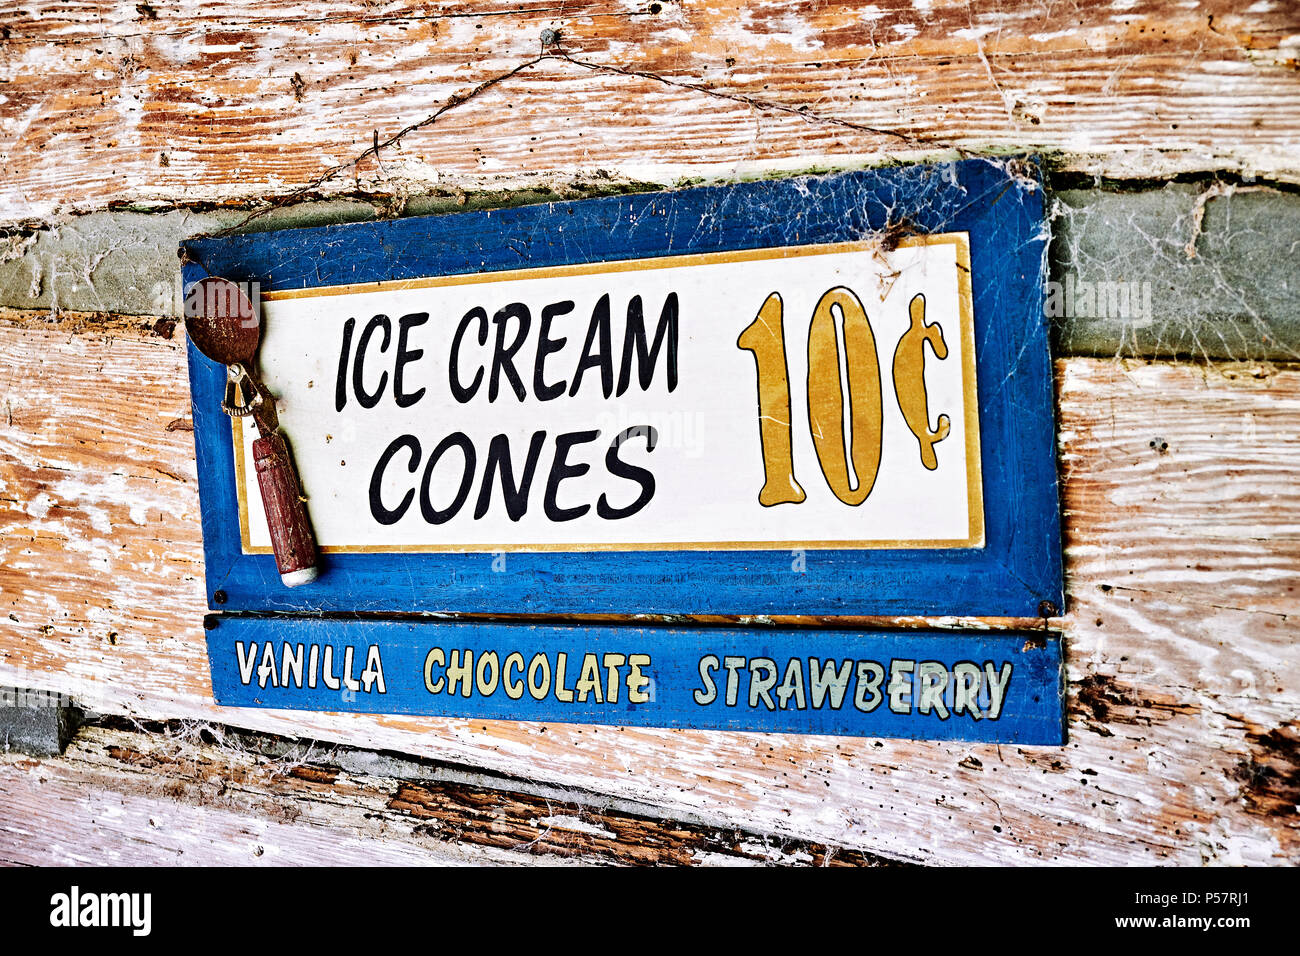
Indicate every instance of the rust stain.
{"type": "Point", "coordinates": [1102, 699]}
{"type": "Point", "coordinates": [1270, 774]}
{"type": "Point", "coordinates": [314, 774]}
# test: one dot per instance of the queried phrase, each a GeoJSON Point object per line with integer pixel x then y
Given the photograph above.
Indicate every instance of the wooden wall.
{"type": "Point", "coordinates": [1181, 480]}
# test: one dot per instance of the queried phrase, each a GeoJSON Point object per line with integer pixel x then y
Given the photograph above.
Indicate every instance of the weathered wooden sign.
{"type": "Point", "coordinates": [828, 395]}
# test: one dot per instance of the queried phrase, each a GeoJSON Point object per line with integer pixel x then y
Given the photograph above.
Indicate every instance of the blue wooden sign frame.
{"type": "Point", "coordinates": [998, 687]}
{"type": "Point", "coordinates": [999, 204]}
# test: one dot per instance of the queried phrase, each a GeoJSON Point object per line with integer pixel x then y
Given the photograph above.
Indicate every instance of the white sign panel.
{"type": "Point", "coordinates": [799, 397]}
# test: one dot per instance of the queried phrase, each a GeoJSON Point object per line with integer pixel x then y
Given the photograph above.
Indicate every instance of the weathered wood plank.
{"type": "Point", "coordinates": [109, 101]}
{"type": "Point", "coordinates": [1183, 523]}
{"type": "Point", "coordinates": [180, 795]}
{"type": "Point", "coordinates": [75, 812]}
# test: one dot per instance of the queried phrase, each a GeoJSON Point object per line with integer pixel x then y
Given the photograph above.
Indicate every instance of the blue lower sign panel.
{"type": "Point", "coordinates": [993, 687]}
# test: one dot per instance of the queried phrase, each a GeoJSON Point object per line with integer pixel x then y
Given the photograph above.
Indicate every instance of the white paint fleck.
{"type": "Point", "coordinates": [711, 858]}
{"type": "Point", "coordinates": [40, 506]}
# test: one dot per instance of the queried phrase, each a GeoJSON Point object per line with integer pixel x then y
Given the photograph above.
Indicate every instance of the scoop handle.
{"type": "Point", "coordinates": [286, 514]}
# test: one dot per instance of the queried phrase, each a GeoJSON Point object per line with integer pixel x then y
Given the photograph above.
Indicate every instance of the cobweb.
{"type": "Point", "coordinates": [1199, 271]}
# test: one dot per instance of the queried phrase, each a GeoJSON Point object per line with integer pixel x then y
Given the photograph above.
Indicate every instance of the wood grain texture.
{"type": "Point", "coordinates": [113, 101]}
{"type": "Point", "coordinates": [172, 795]}
{"type": "Point", "coordinates": [94, 807]}
{"type": "Point", "coordinates": [1183, 545]}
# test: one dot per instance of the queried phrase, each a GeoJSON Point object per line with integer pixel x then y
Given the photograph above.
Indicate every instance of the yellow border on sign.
{"type": "Point", "coordinates": [974, 471]}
